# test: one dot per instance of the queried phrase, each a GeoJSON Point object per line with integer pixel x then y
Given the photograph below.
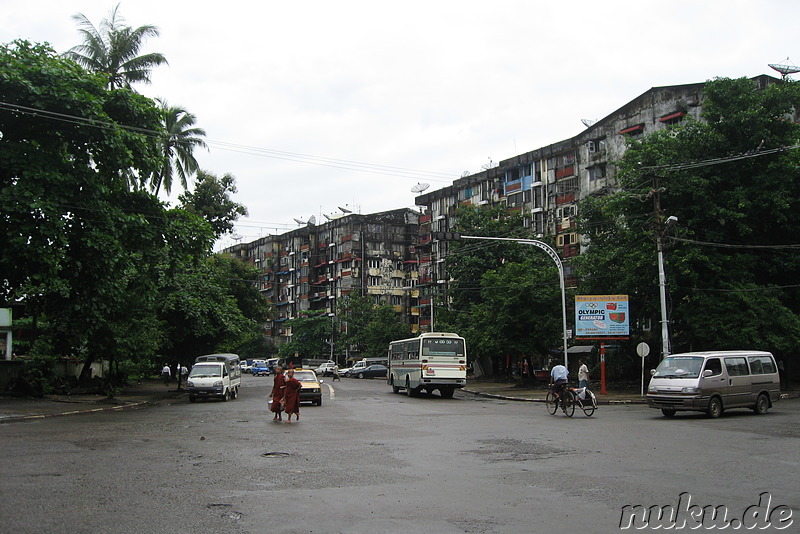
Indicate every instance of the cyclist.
{"type": "Point", "coordinates": [558, 379]}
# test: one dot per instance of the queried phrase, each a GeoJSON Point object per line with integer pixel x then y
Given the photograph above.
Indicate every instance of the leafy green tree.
{"type": "Point", "coordinates": [734, 186]}
{"type": "Point", "coordinates": [211, 199]}
{"type": "Point", "coordinates": [112, 49]}
{"type": "Point", "coordinates": [370, 327]}
{"type": "Point", "coordinates": [504, 297]}
{"type": "Point", "coordinates": [310, 335]}
{"type": "Point", "coordinates": [74, 237]}
{"type": "Point", "coordinates": [177, 147]}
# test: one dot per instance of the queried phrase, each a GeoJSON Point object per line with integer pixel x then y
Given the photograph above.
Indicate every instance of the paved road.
{"type": "Point", "coordinates": [371, 461]}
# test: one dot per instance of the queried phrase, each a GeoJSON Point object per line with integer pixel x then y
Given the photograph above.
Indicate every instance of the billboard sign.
{"type": "Point", "coordinates": [601, 316]}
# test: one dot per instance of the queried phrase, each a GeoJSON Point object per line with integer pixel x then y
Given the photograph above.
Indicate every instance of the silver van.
{"type": "Point", "coordinates": [715, 381]}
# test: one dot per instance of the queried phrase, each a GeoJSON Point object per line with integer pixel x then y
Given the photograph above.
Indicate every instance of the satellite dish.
{"type": "Point", "coordinates": [327, 216]}
{"type": "Point", "coordinates": [345, 210]}
{"type": "Point", "coordinates": [420, 187]}
{"type": "Point", "coordinates": [588, 122]}
{"type": "Point", "coordinates": [298, 221]}
{"type": "Point", "coordinates": [312, 221]}
{"type": "Point", "coordinates": [785, 69]}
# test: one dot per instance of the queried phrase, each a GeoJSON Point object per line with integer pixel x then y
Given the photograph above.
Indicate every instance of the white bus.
{"type": "Point", "coordinates": [436, 360]}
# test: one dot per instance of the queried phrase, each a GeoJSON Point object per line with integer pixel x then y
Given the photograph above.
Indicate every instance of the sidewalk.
{"type": "Point", "coordinates": [510, 391]}
{"type": "Point", "coordinates": [151, 392]}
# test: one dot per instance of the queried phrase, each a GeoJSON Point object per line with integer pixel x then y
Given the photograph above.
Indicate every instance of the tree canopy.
{"type": "Point", "coordinates": [731, 180]}
{"type": "Point", "coordinates": [95, 266]}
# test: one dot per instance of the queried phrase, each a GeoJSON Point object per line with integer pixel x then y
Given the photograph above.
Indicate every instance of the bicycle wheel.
{"type": "Point", "coordinates": [550, 402]}
{"type": "Point", "coordinates": [589, 404]}
{"type": "Point", "coordinates": [569, 403]}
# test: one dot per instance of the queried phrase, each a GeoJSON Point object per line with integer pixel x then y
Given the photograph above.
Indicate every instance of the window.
{"type": "Point", "coordinates": [397, 300]}
{"type": "Point", "coordinates": [374, 264]}
{"type": "Point", "coordinates": [597, 172]}
{"type": "Point", "coordinates": [374, 281]}
{"type": "Point", "coordinates": [736, 366]}
{"type": "Point", "coordinates": [714, 365]}
{"type": "Point", "coordinates": [761, 365]}
{"type": "Point", "coordinates": [567, 239]}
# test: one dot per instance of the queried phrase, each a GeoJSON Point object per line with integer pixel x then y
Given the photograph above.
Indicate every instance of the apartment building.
{"type": "Point", "coordinates": [546, 185]}
{"type": "Point", "coordinates": [312, 267]}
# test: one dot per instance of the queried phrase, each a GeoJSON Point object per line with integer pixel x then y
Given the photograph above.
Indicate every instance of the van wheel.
{"type": "Point", "coordinates": [668, 412]}
{"type": "Point", "coordinates": [714, 407]}
{"type": "Point", "coordinates": [227, 395]}
{"type": "Point", "coordinates": [446, 393]}
{"type": "Point", "coordinates": [235, 394]}
{"type": "Point", "coordinates": [762, 405]}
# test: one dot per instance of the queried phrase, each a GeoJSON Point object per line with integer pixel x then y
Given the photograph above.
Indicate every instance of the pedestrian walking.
{"type": "Point", "coordinates": [336, 373]}
{"type": "Point", "coordinates": [278, 390]}
{"type": "Point", "coordinates": [165, 374]}
{"type": "Point", "coordinates": [184, 375]}
{"type": "Point", "coordinates": [291, 397]}
{"type": "Point", "coordinates": [583, 374]}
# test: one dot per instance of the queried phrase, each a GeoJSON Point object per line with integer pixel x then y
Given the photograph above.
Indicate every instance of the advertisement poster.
{"type": "Point", "coordinates": [601, 316]}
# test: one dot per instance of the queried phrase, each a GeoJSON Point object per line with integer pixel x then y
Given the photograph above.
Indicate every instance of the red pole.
{"type": "Point", "coordinates": [602, 368]}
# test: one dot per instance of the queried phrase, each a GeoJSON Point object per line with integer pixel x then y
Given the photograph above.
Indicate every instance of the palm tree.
{"type": "Point", "coordinates": [112, 49]}
{"type": "Point", "coordinates": [177, 146]}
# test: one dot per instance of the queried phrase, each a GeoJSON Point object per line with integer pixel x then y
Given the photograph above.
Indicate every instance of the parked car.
{"type": "Point", "coordinates": [372, 371]}
{"type": "Point", "coordinates": [260, 368]}
{"type": "Point", "coordinates": [326, 369]}
{"type": "Point", "coordinates": [312, 387]}
{"type": "Point", "coordinates": [245, 367]}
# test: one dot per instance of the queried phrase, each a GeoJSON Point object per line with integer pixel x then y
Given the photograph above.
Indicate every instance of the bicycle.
{"type": "Point", "coordinates": [566, 400]}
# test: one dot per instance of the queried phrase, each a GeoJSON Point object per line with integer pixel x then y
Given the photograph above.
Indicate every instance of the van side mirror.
{"type": "Point", "coordinates": [707, 373]}
{"type": "Point", "coordinates": [652, 372]}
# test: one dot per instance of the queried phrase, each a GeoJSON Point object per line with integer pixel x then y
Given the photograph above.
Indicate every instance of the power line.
{"type": "Point", "coordinates": [309, 159]}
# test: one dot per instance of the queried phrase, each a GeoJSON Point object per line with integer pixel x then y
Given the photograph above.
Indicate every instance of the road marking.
{"type": "Point", "coordinates": [331, 391]}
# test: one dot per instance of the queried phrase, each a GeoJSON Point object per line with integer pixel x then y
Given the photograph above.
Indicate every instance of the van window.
{"type": "Point", "coordinates": [761, 365]}
{"type": "Point", "coordinates": [714, 365]}
{"type": "Point", "coordinates": [736, 366]}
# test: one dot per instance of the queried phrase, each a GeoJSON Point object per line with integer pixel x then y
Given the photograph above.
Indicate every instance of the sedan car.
{"type": "Point", "coordinates": [372, 371]}
{"type": "Point", "coordinates": [312, 387]}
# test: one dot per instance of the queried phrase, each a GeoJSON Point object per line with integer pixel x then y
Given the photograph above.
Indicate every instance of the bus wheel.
{"type": "Point", "coordinates": [395, 388]}
{"type": "Point", "coordinates": [446, 393]}
{"type": "Point", "coordinates": [409, 391]}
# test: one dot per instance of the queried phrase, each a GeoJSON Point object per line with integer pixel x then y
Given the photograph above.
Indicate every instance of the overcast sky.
{"type": "Point", "coordinates": [317, 105]}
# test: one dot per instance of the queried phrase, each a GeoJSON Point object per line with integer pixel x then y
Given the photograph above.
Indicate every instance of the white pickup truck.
{"type": "Point", "coordinates": [214, 376]}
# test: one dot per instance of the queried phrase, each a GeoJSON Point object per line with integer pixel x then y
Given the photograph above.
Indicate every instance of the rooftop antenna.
{"type": "Point", "coordinates": [236, 237]}
{"type": "Point", "coordinates": [785, 69]}
{"type": "Point", "coordinates": [420, 187]}
{"type": "Point", "coordinates": [588, 122]}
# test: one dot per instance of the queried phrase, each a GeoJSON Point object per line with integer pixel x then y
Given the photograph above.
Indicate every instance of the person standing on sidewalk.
{"type": "Point", "coordinates": [165, 374]}
{"type": "Point", "coordinates": [278, 390]}
{"type": "Point", "coordinates": [583, 374]}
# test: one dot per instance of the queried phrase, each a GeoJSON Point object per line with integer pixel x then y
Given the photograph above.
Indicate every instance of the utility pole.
{"type": "Point", "coordinates": [661, 229]}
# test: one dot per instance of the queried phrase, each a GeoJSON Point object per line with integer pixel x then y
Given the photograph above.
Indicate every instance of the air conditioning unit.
{"type": "Point", "coordinates": [566, 222]}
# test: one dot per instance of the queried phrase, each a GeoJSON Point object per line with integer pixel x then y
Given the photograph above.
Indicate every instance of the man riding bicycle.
{"type": "Point", "coordinates": [558, 380]}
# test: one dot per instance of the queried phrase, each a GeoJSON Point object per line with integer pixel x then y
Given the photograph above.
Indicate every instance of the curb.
{"type": "Point", "coordinates": [521, 399]}
{"type": "Point", "coordinates": [20, 418]}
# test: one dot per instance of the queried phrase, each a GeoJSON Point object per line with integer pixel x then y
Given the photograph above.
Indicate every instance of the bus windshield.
{"type": "Point", "coordinates": [443, 347]}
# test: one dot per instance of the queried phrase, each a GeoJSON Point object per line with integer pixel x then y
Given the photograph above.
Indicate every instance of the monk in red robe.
{"type": "Point", "coordinates": [278, 389]}
{"type": "Point", "coordinates": [291, 396]}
